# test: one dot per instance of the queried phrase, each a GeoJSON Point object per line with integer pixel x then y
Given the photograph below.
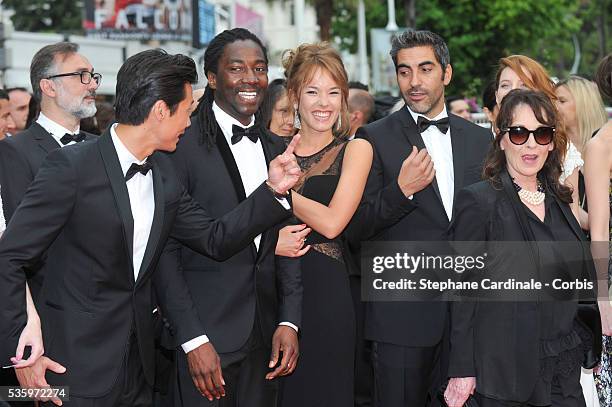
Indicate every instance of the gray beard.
{"type": "Point", "coordinates": [85, 111]}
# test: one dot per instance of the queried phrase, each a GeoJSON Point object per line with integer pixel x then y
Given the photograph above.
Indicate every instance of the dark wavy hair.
{"type": "Point", "coordinates": [546, 113]}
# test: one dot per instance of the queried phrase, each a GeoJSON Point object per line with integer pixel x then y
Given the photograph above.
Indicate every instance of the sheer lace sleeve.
{"type": "Point", "coordinates": [573, 160]}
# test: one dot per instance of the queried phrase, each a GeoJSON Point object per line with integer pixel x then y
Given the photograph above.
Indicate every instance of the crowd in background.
{"type": "Point", "coordinates": [380, 169]}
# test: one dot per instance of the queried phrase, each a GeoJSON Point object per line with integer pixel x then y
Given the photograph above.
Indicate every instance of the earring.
{"type": "Point", "coordinates": [339, 122]}
{"type": "Point", "coordinates": [296, 118]}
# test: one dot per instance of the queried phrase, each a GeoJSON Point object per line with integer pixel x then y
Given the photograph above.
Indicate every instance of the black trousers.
{"type": "Point", "coordinates": [407, 376]}
{"type": "Point", "coordinates": [130, 389]}
{"type": "Point", "coordinates": [565, 391]}
{"type": "Point", "coordinates": [364, 372]}
{"type": "Point", "coordinates": [244, 373]}
{"type": "Point", "coordinates": [557, 401]}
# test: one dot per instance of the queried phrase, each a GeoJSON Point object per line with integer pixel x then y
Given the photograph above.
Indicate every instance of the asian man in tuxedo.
{"type": "Point", "coordinates": [103, 210]}
{"type": "Point", "coordinates": [250, 304]}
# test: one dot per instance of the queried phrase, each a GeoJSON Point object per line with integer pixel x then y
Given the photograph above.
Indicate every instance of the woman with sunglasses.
{"type": "Point", "coordinates": [522, 72]}
{"type": "Point", "coordinates": [513, 352]}
{"type": "Point", "coordinates": [597, 176]}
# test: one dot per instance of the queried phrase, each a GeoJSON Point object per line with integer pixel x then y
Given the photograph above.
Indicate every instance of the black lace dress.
{"type": "Point", "coordinates": [324, 373]}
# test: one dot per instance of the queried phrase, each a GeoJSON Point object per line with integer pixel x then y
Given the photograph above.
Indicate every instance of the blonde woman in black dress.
{"type": "Point", "coordinates": [326, 197]}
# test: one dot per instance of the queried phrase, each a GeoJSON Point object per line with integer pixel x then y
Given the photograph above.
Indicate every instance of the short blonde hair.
{"type": "Point", "coordinates": [302, 63]}
{"type": "Point", "coordinates": [590, 111]}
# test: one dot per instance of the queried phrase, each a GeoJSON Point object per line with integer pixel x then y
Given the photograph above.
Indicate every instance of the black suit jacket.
{"type": "Point", "coordinates": [386, 214]}
{"type": "Point", "coordinates": [227, 294]}
{"type": "Point", "coordinates": [499, 342]}
{"type": "Point", "coordinates": [21, 156]}
{"type": "Point", "coordinates": [78, 208]}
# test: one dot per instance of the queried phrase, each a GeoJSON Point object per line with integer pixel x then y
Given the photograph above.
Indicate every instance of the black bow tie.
{"type": "Point", "coordinates": [423, 124]}
{"type": "Point", "coordinates": [67, 138]}
{"type": "Point", "coordinates": [239, 132]}
{"type": "Point", "coordinates": [141, 168]}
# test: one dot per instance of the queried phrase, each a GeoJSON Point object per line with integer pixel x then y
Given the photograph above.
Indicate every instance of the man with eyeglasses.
{"type": "Point", "coordinates": [64, 83]}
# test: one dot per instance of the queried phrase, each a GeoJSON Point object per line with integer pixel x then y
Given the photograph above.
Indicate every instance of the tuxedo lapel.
{"type": "Point", "coordinates": [413, 135]}
{"type": "Point", "coordinates": [231, 166]}
{"type": "Point", "coordinates": [232, 169]}
{"type": "Point", "coordinates": [117, 182]}
{"type": "Point", "coordinates": [458, 145]}
{"type": "Point", "coordinates": [266, 144]}
{"type": "Point", "coordinates": [45, 140]}
{"type": "Point", "coordinates": [158, 219]}
{"type": "Point", "coordinates": [264, 139]}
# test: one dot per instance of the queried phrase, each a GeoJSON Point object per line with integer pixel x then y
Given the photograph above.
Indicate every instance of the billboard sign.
{"type": "Point", "coordinates": [169, 20]}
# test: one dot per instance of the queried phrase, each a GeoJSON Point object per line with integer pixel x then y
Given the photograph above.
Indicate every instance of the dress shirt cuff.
{"type": "Point", "coordinates": [289, 324]}
{"type": "Point", "coordinates": [394, 194]}
{"type": "Point", "coordinates": [194, 343]}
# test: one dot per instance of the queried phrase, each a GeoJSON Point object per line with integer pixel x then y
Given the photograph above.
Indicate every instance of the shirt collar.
{"type": "Point", "coordinates": [55, 129]}
{"type": "Point", "coordinates": [415, 116]}
{"type": "Point", "coordinates": [226, 122]}
{"type": "Point", "coordinates": [126, 159]}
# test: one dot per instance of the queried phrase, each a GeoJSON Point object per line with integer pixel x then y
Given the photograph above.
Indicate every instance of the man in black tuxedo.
{"type": "Point", "coordinates": [104, 210]}
{"type": "Point", "coordinates": [64, 83]}
{"type": "Point", "coordinates": [64, 100]}
{"type": "Point", "coordinates": [403, 201]}
{"type": "Point", "coordinates": [221, 159]}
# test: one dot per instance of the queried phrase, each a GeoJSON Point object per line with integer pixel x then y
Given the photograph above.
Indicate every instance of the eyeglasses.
{"type": "Point", "coordinates": [86, 77]}
{"type": "Point", "coordinates": [519, 135]}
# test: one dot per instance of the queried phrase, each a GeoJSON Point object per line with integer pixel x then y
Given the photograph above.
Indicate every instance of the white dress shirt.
{"type": "Point", "coordinates": [57, 131]}
{"type": "Point", "coordinates": [250, 160]}
{"type": "Point", "coordinates": [440, 150]}
{"type": "Point", "coordinates": [142, 203]}
{"type": "Point", "coordinates": [249, 156]}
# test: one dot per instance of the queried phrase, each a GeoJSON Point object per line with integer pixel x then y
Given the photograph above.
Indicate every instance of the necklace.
{"type": "Point", "coordinates": [531, 197]}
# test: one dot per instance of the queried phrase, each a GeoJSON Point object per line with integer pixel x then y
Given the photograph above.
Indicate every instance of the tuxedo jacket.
{"type": "Point", "coordinates": [78, 209]}
{"type": "Point", "coordinates": [499, 342]}
{"type": "Point", "coordinates": [21, 156]}
{"type": "Point", "coordinates": [387, 215]}
{"type": "Point", "coordinates": [229, 294]}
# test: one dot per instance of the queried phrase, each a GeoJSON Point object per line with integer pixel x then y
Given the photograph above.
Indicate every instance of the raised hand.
{"type": "Point", "coordinates": [284, 170]}
{"type": "Point", "coordinates": [205, 369]}
{"type": "Point", "coordinates": [416, 173]}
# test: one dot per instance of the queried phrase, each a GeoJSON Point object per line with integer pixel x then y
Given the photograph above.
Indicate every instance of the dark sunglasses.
{"type": "Point", "coordinates": [519, 135]}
